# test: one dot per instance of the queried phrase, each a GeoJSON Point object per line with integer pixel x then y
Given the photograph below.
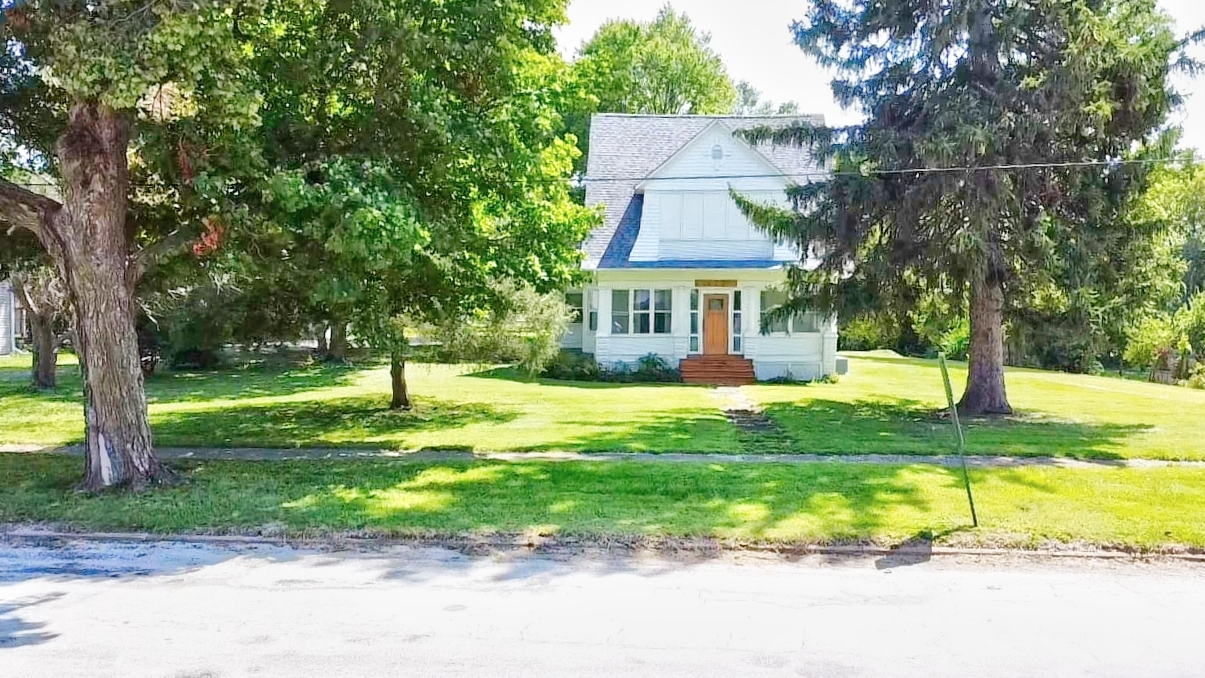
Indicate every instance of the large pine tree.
{"type": "Point", "coordinates": [1048, 94]}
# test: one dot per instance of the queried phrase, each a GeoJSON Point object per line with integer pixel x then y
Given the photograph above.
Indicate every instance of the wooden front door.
{"type": "Point", "coordinates": [715, 324]}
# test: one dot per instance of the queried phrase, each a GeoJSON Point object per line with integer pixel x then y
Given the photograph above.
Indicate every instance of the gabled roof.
{"type": "Point", "coordinates": [625, 149]}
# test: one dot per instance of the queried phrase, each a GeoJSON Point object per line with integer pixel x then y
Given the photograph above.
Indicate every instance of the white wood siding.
{"type": "Point", "coordinates": [629, 348]}
{"type": "Point", "coordinates": [6, 319]}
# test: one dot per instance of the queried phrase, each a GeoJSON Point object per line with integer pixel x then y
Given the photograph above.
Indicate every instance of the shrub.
{"type": "Point", "coordinates": [575, 366]}
{"type": "Point", "coordinates": [1197, 378]}
{"type": "Point", "coordinates": [525, 329]}
{"type": "Point", "coordinates": [956, 341]}
{"type": "Point", "coordinates": [1151, 341]}
{"type": "Point", "coordinates": [868, 332]}
{"type": "Point", "coordinates": [654, 368]}
{"type": "Point", "coordinates": [572, 366]}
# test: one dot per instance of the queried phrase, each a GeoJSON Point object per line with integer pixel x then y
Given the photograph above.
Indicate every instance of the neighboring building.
{"type": "Point", "coordinates": [678, 271]}
{"type": "Point", "coordinates": [10, 323]}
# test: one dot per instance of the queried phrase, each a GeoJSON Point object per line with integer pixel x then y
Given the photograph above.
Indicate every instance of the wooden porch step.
{"type": "Point", "coordinates": [719, 370]}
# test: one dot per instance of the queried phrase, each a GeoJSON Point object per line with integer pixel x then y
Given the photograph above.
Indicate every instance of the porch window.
{"type": "Point", "coordinates": [642, 311]}
{"type": "Point", "coordinates": [574, 301]}
{"type": "Point", "coordinates": [642, 307]}
{"type": "Point", "coordinates": [770, 300]}
{"type": "Point", "coordinates": [799, 323]}
{"type": "Point", "coordinates": [663, 311]}
{"type": "Point", "coordinates": [805, 322]}
{"type": "Point", "coordinates": [621, 311]}
{"type": "Point", "coordinates": [592, 310]}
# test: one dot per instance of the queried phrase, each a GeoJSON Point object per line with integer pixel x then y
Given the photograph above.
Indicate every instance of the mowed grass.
{"type": "Point", "coordinates": [891, 405]}
{"type": "Point", "coordinates": [277, 404]}
{"type": "Point", "coordinates": [813, 503]}
{"type": "Point", "coordinates": [886, 405]}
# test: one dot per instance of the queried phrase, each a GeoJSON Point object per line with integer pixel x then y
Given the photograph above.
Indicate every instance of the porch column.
{"type": "Point", "coordinates": [829, 350]}
{"type": "Point", "coordinates": [602, 340]}
{"type": "Point", "coordinates": [751, 320]}
{"type": "Point", "coordinates": [680, 324]}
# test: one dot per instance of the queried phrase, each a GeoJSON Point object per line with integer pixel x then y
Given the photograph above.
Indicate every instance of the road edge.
{"type": "Point", "coordinates": [519, 543]}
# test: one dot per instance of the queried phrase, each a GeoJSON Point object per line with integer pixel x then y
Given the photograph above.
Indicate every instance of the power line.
{"type": "Point", "coordinates": [888, 172]}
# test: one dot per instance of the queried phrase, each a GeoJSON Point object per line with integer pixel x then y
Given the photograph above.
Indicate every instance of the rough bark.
{"type": "Point", "coordinates": [22, 208]}
{"type": "Point", "coordinates": [985, 392]}
{"type": "Point", "coordinates": [44, 370]}
{"type": "Point", "coordinates": [337, 350]}
{"type": "Point", "coordinates": [397, 380]}
{"type": "Point", "coordinates": [92, 249]}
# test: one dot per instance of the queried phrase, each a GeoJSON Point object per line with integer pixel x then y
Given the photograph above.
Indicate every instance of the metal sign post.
{"type": "Point", "coordinates": [966, 475]}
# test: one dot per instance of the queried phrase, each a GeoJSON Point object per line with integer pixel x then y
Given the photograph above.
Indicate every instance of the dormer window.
{"type": "Point", "coordinates": [717, 152]}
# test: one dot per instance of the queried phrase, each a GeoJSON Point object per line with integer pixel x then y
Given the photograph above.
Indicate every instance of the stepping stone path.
{"type": "Point", "coordinates": [759, 434]}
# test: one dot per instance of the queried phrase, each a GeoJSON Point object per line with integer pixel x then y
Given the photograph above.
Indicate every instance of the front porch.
{"type": "Point", "coordinates": [707, 323]}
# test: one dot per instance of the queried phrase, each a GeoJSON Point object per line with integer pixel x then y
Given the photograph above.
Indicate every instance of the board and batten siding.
{"type": "Point", "coordinates": [688, 213]}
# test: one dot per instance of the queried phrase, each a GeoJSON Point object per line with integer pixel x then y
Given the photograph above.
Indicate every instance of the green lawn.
{"type": "Point", "coordinates": [815, 503]}
{"type": "Point", "coordinates": [887, 405]}
{"type": "Point", "coordinates": [279, 405]}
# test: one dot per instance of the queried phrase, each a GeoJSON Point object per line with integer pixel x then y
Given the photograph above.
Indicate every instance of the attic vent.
{"type": "Point", "coordinates": [717, 152]}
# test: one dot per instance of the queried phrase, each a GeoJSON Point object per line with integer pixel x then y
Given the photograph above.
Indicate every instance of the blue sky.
{"type": "Point", "coordinates": [755, 42]}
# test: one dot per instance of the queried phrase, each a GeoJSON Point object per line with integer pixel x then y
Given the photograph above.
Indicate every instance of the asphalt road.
{"type": "Point", "coordinates": [188, 611]}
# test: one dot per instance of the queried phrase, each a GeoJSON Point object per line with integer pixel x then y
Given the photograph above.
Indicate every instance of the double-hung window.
{"type": "Point", "coordinates": [574, 301]}
{"type": "Point", "coordinates": [771, 300]}
{"type": "Point", "coordinates": [641, 311]}
{"type": "Point", "coordinates": [592, 310]}
{"type": "Point", "coordinates": [799, 323]}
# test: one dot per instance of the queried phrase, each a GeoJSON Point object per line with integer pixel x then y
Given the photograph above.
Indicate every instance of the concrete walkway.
{"type": "Point", "coordinates": [426, 456]}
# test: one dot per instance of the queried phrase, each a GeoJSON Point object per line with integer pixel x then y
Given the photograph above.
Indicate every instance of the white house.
{"type": "Point", "coordinates": [9, 319]}
{"type": "Point", "coordinates": [676, 269]}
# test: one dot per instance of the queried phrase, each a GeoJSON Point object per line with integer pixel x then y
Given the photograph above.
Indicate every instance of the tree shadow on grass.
{"type": "Point", "coordinates": [316, 423]}
{"type": "Point", "coordinates": [166, 386]}
{"type": "Point", "coordinates": [901, 426]}
{"type": "Point", "coordinates": [515, 375]}
{"type": "Point", "coordinates": [250, 381]}
{"type": "Point", "coordinates": [680, 430]}
{"type": "Point", "coordinates": [460, 503]}
{"type": "Point", "coordinates": [763, 502]}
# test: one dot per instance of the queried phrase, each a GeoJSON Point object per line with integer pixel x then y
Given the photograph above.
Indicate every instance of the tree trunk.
{"type": "Point", "coordinates": [338, 345]}
{"type": "Point", "coordinates": [92, 249]}
{"type": "Point", "coordinates": [397, 378]}
{"type": "Point", "coordinates": [44, 370]}
{"type": "Point", "coordinates": [985, 374]}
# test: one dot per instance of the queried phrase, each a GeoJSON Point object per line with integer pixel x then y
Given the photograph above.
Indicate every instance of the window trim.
{"type": "Point", "coordinates": [591, 302]}
{"type": "Point", "coordinates": [789, 325]}
{"type": "Point", "coordinates": [651, 312]}
{"type": "Point", "coordinates": [579, 308]}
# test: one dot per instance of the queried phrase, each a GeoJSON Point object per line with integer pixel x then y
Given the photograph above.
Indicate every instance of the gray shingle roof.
{"type": "Point", "coordinates": [624, 149]}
